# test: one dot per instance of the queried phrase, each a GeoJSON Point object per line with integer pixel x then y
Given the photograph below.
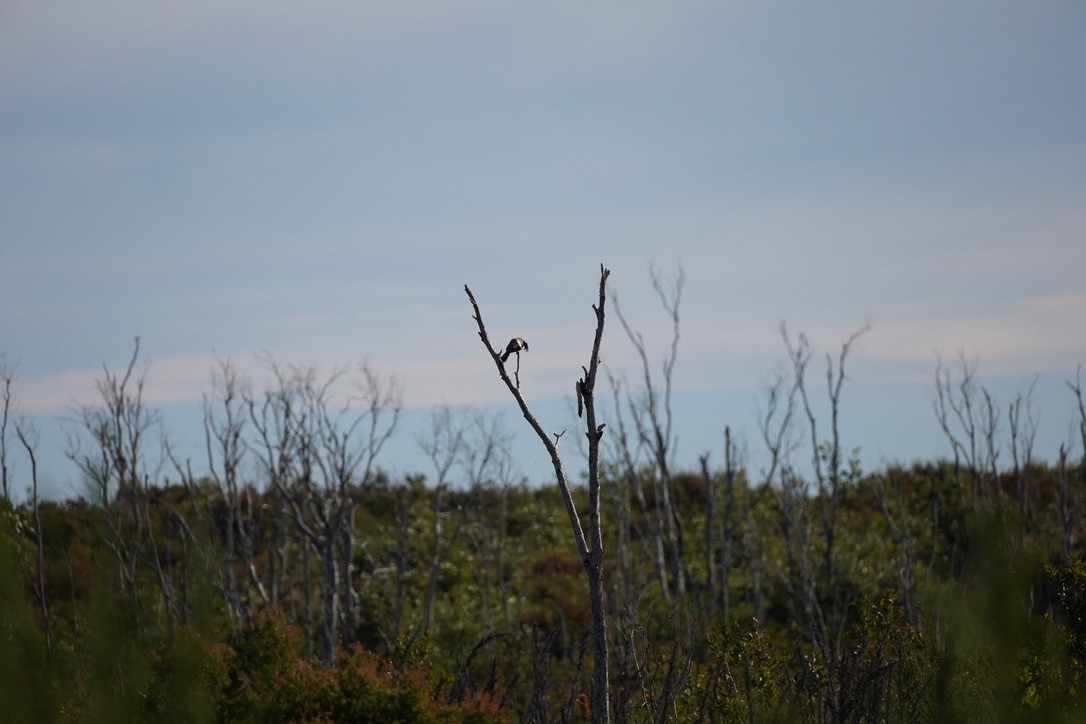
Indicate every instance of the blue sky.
{"type": "Point", "coordinates": [319, 180]}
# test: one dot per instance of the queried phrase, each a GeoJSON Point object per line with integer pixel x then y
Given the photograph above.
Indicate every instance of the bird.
{"type": "Point", "coordinates": [516, 344]}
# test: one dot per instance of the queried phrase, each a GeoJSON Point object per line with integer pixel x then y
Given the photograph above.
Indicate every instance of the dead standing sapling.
{"type": "Point", "coordinates": [591, 550]}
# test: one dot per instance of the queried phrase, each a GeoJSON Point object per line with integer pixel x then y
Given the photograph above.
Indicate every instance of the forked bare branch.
{"type": "Point", "coordinates": [591, 550]}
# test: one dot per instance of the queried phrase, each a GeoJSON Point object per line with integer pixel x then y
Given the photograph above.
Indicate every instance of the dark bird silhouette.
{"type": "Point", "coordinates": [516, 344]}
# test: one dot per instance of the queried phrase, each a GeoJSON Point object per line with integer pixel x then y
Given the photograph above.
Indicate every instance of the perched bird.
{"type": "Point", "coordinates": [516, 344]}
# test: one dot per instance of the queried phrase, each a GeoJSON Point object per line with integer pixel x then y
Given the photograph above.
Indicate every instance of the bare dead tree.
{"type": "Point", "coordinates": [401, 559]}
{"type": "Point", "coordinates": [486, 459]}
{"type": "Point", "coordinates": [590, 550]}
{"type": "Point", "coordinates": [315, 457]}
{"type": "Point", "coordinates": [776, 427]}
{"type": "Point", "coordinates": [1064, 502]}
{"type": "Point", "coordinates": [114, 466]}
{"type": "Point", "coordinates": [795, 522]}
{"type": "Point", "coordinates": [728, 522]}
{"type": "Point", "coordinates": [283, 435]}
{"type": "Point", "coordinates": [444, 443]}
{"type": "Point", "coordinates": [27, 435]}
{"type": "Point", "coordinates": [796, 530]}
{"type": "Point", "coordinates": [954, 402]}
{"type": "Point", "coordinates": [989, 430]}
{"type": "Point", "coordinates": [827, 460]}
{"type": "Point", "coordinates": [826, 613]}
{"type": "Point", "coordinates": [1068, 493]}
{"type": "Point", "coordinates": [29, 438]}
{"type": "Point", "coordinates": [624, 465]}
{"type": "Point", "coordinates": [717, 576]}
{"type": "Point", "coordinates": [229, 515]}
{"type": "Point", "coordinates": [622, 479]}
{"type": "Point", "coordinates": [1080, 406]}
{"type": "Point", "coordinates": [893, 499]}
{"type": "Point", "coordinates": [7, 378]}
{"type": "Point", "coordinates": [653, 420]}
{"type": "Point", "coordinates": [160, 563]}
{"type": "Point", "coordinates": [632, 466]}
{"type": "Point", "coordinates": [1022, 424]}
{"type": "Point", "coordinates": [641, 455]}
{"type": "Point", "coordinates": [488, 467]}
{"type": "Point", "coordinates": [709, 547]}
{"type": "Point", "coordinates": [439, 553]}
{"type": "Point", "coordinates": [274, 445]}
{"type": "Point", "coordinates": [224, 440]}
{"type": "Point", "coordinates": [443, 447]}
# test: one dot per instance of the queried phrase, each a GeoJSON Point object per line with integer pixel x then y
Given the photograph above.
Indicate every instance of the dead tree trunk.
{"type": "Point", "coordinates": [950, 406]}
{"type": "Point", "coordinates": [114, 466]}
{"type": "Point", "coordinates": [709, 550]}
{"type": "Point", "coordinates": [1080, 403]}
{"type": "Point", "coordinates": [625, 467]}
{"type": "Point", "coordinates": [7, 376]}
{"type": "Point", "coordinates": [832, 475]}
{"type": "Point", "coordinates": [443, 447]}
{"type": "Point", "coordinates": [652, 416]}
{"type": "Point", "coordinates": [591, 550]}
{"type": "Point", "coordinates": [1023, 434]}
{"type": "Point", "coordinates": [716, 579]}
{"type": "Point", "coordinates": [1063, 502]}
{"type": "Point", "coordinates": [489, 470]}
{"type": "Point", "coordinates": [727, 524]}
{"type": "Point", "coordinates": [28, 436]}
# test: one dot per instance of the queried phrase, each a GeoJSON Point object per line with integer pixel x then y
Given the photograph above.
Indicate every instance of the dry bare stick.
{"type": "Point", "coordinates": [710, 525]}
{"type": "Point", "coordinates": [223, 438]}
{"type": "Point", "coordinates": [7, 377]}
{"type": "Point", "coordinates": [1071, 496]}
{"type": "Point", "coordinates": [28, 436]}
{"type": "Point", "coordinates": [989, 429]}
{"type": "Point", "coordinates": [1023, 435]}
{"type": "Point", "coordinates": [627, 480]}
{"type": "Point", "coordinates": [652, 417]}
{"type": "Point", "coordinates": [591, 551]}
{"type": "Point", "coordinates": [1076, 387]}
{"type": "Point", "coordinates": [831, 476]}
{"type": "Point", "coordinates": [488, 467]}
{"type": "Point", "coordinates": [826, 456]}
{"type": "Point", "coordinates": [113, 465]}
{"type": "Point", "coordinates": [1063, 502]}
{"type": "Point", "coordinates": [727, 523]}
{"type": "Point", "coordinates": [443, 448]}
{"type": "Point", "coordinates": [961, 404]}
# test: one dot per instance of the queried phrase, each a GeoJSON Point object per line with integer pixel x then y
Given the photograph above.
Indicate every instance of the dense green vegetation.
{"type": "Point", "coordinates": [989, 627]}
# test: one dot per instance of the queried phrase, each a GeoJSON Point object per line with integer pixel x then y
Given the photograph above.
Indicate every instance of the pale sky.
{"type": "Point", "coordinates": [319, 180]}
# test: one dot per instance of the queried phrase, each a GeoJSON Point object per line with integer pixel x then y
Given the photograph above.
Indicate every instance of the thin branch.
{"type": "Point", "coordinates": [552, 448]}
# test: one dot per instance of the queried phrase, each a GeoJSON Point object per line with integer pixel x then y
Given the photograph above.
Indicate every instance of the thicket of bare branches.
{"type": "Point", "coordinates": [781, 583]}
